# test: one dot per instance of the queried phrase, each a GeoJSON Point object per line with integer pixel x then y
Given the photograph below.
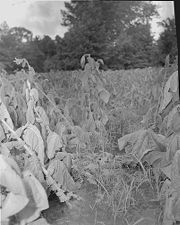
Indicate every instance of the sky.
{"type": "Point", "coordinates": [44, 17]}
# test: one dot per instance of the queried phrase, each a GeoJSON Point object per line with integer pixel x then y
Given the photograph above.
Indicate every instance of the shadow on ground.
{"type": "Point", "coordinates": [86, 212]}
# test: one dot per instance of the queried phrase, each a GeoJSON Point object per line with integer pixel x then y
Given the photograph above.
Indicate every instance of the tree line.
{"type": "Point", "coordinates": [117, 32]}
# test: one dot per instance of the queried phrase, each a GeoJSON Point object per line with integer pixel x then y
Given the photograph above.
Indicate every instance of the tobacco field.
{"type": "Point", "coordinates": [90, 146]}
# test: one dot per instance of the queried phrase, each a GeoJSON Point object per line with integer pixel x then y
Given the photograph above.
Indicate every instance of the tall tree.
{"type": "Point", "coordinates": [18, 42]}
{"type": "Point", "coordinates": [20, 34]}
{"type": "Point", "coordinates": [167, 42]}
{"type": "Point", "coordinates": [132, 48]}
{"type": "Point", "coordinates": [96, 25]}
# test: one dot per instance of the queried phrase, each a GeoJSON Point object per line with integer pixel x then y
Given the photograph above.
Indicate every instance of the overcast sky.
{"type": "Point", "coordinates": [44, 17]}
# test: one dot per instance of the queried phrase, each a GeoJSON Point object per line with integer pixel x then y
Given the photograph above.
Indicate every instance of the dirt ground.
{"type": "Point", "coordinates": [86, 212]}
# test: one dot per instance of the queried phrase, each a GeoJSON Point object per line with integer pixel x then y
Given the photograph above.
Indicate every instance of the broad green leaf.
{"type": "Point", "coordinates": [92, 167]}
{"type": "Point", "coordinates": [32, 137]}
{"type": "Point", "coordinates": [4, 150]}
{"type": "Point", "coordinates": [104, 117]}
{"type": "Point", "coordinates": [104, 95]}
{"type": "Point", "coordinates": [175, 122]}
{"type": "Point", "coordinates": [13, 115]}
{"type": "Point", "coordinates": [2, 133]}
{"type": "Point", "coordinates": [9, 177]}
{"type": "Point", "coordinates": [171, 115]}
{"type": "Point", "coordinates": [83, 60]}
{"type": "Point", "coordinates": [13, 204]}
{"type": "Point", "coordinates": [58, 170]}
{"type": "Point", "coordinates": [33, 164]}
{"type": "Point", "coordinates": [16, 199]}
{"type": "Point", "coordinates": [34, 94]}
{"type": "Point", "coordinates": [175, 172]}
{"type": "Point", "coordinates": [176, 209]}
{"type": "Point", "coordinates": [6, 90]}
{"type": "Point", "coordinates": [30, 117]}
{"type": "Point", "coordinates": [171, 86]}
{"type": "Point", "coordinates": [90, 178]}
{"type": "Point", "coordinates": [167, 170]}
{"type": "Point", "coordinates": [174, 82]}
{"type": "Point", "coordinates": [131, 138]}
{"type": "Point", "coordinates": [173, 146]}
{"type": "Point", "coordinates": [54, 143]}
{"type": "Point", "coordinates": [42, 115]}
{"type": "Point", "coordinates": [169, 217]}
{"type": "Point", "coordinates": [41, 221]}
{"type": "Point", "coordinates": [4, 115]}
{"type": "Point", "coordinates": [38, 200]}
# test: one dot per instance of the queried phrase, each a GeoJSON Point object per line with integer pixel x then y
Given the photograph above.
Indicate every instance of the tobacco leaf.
{"type": "Point", "coordinates": [32, 137]}
{"type": "Point", "coordinates": [34, 94]}
{"type": "Point", "coordinates": [54, 143]}
{"type": "Point", "coordinates": [30, 117]}
{"type": "Point", "coordinates": [173, 146]}
{"type": "Point", "coordinates": [170, 88]}
{"type": "Point", "coordinates": [58, 170]}
{"type": "Point", "coordinates": [17, 199]}
{"type": "Point", "coordinates": [42, 114]}
{"type": "Point", "coordinates": [38, 200]}
{"type": "Point", "coordinates": [104, 95]}
{"type": "Point", "coordinates": [136, 139]}
{"type": "Point", "coordinates": [175, 172]}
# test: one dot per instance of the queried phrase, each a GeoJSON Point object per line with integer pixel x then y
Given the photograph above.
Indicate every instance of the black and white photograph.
{"type": "Point", "coordinates": [89, 113]}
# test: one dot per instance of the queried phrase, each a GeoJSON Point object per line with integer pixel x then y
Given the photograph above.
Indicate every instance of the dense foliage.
{"type": "Point", "coordinates": [118, 32]}
{"type": "Point", "coordinates": [120, 127]}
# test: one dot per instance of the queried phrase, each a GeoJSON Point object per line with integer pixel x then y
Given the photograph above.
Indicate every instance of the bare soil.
{"type": "Point", "coordinates": [87, 212]}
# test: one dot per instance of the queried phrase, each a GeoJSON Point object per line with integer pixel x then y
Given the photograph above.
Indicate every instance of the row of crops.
{"type": "Point", "coordinates": [117, 130]}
